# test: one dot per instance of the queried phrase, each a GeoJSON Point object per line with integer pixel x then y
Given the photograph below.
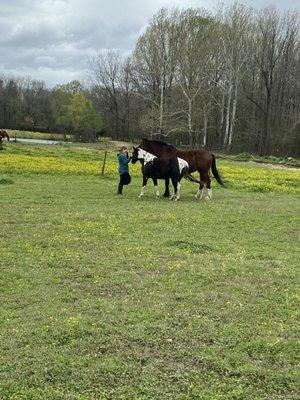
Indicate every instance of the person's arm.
{"type": "Point", "coordinates": [124, 159]}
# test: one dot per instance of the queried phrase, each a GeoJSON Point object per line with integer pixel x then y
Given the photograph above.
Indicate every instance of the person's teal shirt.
{"type": "Point", "coordinates": [123, 163]}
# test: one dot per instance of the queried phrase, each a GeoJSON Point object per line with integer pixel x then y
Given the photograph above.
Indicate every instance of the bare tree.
{"type": "Point", "coordinates": [154, 62]}
{"type": "Point", "coordinates": [194, 57]}
{"type": "Point", "coordinates": [235, 34]}
{"type": "Point", "coordinates": [105, 71]}
{"type": "Point", "coordinates": [274, 39]}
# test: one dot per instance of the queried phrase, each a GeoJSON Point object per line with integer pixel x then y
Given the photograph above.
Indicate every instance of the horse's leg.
{"type": "Point", "coordinates": [208, 188]}
{"type": "Point", "coordinates": [172, 197]}
{"type": "Point", "coordinates": [178, 190]}
{"type": "Point", "coordinates": [167, 190]}
{"type": "Point", "coordinates": [156, 187]}
{"type": "Point", "coordinates": [145, 179]}
{"type": "Point", "coordinates": [205, 178]}
{"type": "Point", "coordinates": [199, 194]}
{"type": "Point", "coordinates": [175, 185]}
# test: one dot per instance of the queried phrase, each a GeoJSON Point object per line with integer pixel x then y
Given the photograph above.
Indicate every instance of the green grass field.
{"type": "Point", "coordinates": [106, 297]}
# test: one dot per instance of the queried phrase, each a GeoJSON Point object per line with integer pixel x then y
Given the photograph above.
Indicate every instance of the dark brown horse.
{"type": "Point", "coordinates": [3, 135]}
{"type": "Point", "coordinates": [199, 160]}
{"type": "Point", "coordinates": [155, 168]}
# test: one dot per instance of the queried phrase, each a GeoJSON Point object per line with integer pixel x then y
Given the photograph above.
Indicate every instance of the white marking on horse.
{"type": "Point", "coordinates": [144, 155]}
{"type": "Point", "coordinates": [178, 190]}
{"type": "Point", "coordinates": [208, 194]}
{"type": "Point", "coordinates": [199, 194]}
{"type": "Point", "coordinates": [182, 164]}
{"type": "Point", "coordinates": [142, 192]}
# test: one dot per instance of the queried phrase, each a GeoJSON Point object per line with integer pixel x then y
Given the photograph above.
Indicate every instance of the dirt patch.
{"type": "Point", "coordinates": [276, 166]}
{"type": "Point", "coordinates": [118, 143]}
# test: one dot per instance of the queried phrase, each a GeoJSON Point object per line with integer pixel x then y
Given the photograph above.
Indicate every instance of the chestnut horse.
{"type": "Point", "coordinates": [3, 134]}
{"type": "Point", "coordinates": [199, 160]}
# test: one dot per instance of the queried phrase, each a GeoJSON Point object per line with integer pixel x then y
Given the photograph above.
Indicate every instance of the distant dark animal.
{"type": "Point", "coordinates": [3, 135]}
{"type": "Point", "coordinates": [154, 168]}
{"type": "Point", "coordinates": [199, 160]}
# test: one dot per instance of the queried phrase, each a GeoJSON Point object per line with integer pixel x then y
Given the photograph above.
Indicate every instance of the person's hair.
{"type": "Point", "coordinates": [123, 148]}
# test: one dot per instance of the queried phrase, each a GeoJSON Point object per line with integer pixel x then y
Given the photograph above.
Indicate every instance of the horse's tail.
{"type": "Point", "coordinates": [215, 171]}
{"type": "Point", "coordinates": [7, 136]}
{"type": "Point", "coordinates": [190, 178]}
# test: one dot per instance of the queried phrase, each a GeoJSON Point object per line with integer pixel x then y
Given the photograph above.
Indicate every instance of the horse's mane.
{"type": "Point", "coordinates": [159, 142]}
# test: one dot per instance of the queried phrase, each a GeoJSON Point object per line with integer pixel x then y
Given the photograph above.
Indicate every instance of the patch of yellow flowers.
{"type": "Point", "coordinates": [238, 176]}
{"type": "Point", "coordinates": [44, 165]}
{"type": "Point", "coordinates": [261, 178]}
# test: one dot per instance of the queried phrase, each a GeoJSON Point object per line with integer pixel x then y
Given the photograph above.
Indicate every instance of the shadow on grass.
{"type": "Point", "coordinates": [6, 182]}
{"type": "Point", "coordinates": [195, 247]}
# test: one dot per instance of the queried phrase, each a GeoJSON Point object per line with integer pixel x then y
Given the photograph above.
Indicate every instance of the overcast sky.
{"type": "Point", "coordinates": [52, 39]}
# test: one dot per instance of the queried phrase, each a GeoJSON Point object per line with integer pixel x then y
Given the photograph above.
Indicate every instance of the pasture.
{"type": "Point", "coordinates": [105, 297]}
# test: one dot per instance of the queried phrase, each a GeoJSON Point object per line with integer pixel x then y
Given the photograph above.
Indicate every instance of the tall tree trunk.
{"type": "Point", "coordinates": [161, 105]}
{"type": "Point", "coordinates": [265, 132]}
{"type": "Point", "coordinates": [227, 120]}
{"type": "Point", "coordinates": [190, 117]}
{"type": "Point", "coordinates": [233, 114]}
{"type": "Point", "coordinates": [205, 130]}
{"type": "Point", "coordinates": [222, 113]}
{"type": "Point", "coordinates": [220, 122]}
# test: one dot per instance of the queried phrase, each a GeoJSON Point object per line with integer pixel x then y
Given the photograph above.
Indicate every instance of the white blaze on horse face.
{"type": "Point", "coordinates": [144, 155]}
{"type": "Point", "coordinates": [182, 164]}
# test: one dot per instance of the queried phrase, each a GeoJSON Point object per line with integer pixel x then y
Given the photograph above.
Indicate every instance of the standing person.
{"type": "Point", "coordinates": [125, 178]}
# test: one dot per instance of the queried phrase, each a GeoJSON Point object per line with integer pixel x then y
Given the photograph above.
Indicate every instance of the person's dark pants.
{"type": "Point", "coordinates": [125, 179]}
{"type": "Point", "coordinates": [120, 187]}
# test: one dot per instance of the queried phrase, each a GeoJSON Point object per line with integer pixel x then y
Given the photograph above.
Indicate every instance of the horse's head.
{"type": "Point", "coordinates": [135, 155]}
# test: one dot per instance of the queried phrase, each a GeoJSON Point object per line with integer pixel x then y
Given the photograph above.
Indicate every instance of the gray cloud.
{"type": "Point", "coordinates": [52, 39]}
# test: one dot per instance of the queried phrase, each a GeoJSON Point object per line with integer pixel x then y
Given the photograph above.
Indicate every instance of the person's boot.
{"type": "Point", "coordinates": [120, 188]}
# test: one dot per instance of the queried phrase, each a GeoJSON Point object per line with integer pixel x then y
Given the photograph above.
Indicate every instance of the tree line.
{"type": "Point", "coordinates": [227, 80]}
{"type": "Point", "coordinates": [27, 104]}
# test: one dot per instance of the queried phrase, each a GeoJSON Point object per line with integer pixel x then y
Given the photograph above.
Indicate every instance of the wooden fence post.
{"type": "Point", "coordinates": [104, 162]}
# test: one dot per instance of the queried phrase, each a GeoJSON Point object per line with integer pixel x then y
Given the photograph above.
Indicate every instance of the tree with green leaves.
{"type": "Point", "coordinates": [82, 118]}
